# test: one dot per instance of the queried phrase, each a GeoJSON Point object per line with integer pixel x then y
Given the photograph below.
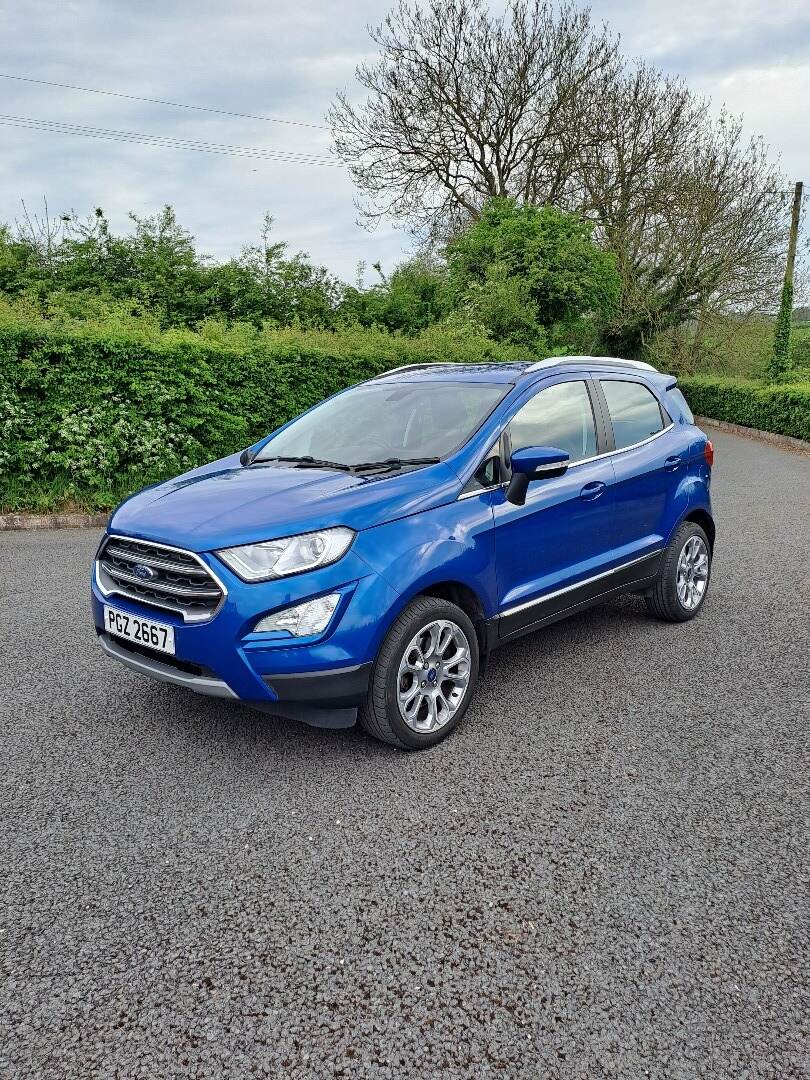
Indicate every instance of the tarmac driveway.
{"type": "Point", "coordinates": [604, 873]}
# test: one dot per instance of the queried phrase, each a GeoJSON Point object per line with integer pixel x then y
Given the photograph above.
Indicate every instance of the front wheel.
{"type": "Point", "coordinates": [424, 675]}
{"type": "Point", "coordinates": [683, 580]}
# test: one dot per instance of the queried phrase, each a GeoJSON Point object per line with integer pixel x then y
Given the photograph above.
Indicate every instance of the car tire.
{"type": "Point", "coordinates": [396, 687]}
{"type": "Point", "coordinates": [683, 580]}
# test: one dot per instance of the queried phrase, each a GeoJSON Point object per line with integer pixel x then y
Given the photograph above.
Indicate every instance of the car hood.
{"type": "Point", "coordinates": [224, 504]}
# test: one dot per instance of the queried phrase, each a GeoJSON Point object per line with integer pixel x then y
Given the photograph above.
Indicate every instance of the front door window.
{"type": "Point", "coordinates": [559, 416]}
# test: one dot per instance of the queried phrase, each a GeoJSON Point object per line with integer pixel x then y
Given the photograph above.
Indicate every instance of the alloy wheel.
{"type": "Point", "coordinates": [434, 675]}
{"type": "Point", "coordinates": [692, 574]}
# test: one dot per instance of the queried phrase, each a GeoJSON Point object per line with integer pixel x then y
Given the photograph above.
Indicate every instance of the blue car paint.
{"type": "Point", "coordinates": [413, 533]}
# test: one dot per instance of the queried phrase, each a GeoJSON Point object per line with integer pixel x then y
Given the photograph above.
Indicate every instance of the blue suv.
{"type": "Point", "coordinates": [365, 558]}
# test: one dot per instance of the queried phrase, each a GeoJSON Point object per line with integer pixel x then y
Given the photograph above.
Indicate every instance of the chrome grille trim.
{"type": "Point", "coordinates": [162, 586]}
{"type": "Point", "coordinates": [159, 564]}
{"type": "Point", "coordinates": [183, 584]}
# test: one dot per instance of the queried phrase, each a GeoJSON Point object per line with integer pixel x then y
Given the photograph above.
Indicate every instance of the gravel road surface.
{"type": "Point", "coordinates": [603, 873]}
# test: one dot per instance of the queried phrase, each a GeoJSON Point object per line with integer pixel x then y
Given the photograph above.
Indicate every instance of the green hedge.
{"type": "Point", "coordinates": [90, 413]}
{"type": "Point", "coordinates": [783, 408]}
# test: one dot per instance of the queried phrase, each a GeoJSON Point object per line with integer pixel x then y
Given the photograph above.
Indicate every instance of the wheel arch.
{"type": "Point", "coordinates": [467, 599]}
{"type": "Point", "coordinates": [705, 520]}
{"type": "Point", "coordinates": [463, 595]}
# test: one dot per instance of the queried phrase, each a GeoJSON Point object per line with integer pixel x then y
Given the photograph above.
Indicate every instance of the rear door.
{"type": "Point", "coordinates": [562, 533]}
{"type": "Point", "coordinates": [646, 460]}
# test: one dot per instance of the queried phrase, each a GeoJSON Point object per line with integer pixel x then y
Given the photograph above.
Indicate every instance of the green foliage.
{"type": "Point", "coordinates": [156, 270]}
{"type": "Point", "coordinates": [783, 408]}
{"type": "Point", "coordinates": [414, 297]}
{"type": "Point", "coordinates": [736, 346]}
{"type": "Point", "coordinates": [780, 362]}
{"type": "Point", "coordinates": [519, 275]}
{"type": "Point", "coordinates": [520, 270]}
{"type": "Point", "coordinates": [91, 411]}
{"type": "Point", "coordinates": [126, 360]}
{"type": "Point", "coordinates": [801, 350]}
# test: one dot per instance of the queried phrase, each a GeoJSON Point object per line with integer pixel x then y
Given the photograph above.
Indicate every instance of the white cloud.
{"type": "Point", "coordinates": [287, 60]}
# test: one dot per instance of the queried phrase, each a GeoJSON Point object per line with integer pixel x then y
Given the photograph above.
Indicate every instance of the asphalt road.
{"type": "Point", "coordinates": [603, 873]}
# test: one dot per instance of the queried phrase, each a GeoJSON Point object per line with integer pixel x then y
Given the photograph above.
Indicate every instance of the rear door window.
{"type": "Point", "coordinates": [634, 412]}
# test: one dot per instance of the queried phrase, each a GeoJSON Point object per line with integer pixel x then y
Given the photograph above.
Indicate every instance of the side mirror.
{"type": "Point", "coordinates": [247, 456]}
{"type": "Point", "coordinates": [534, 463]}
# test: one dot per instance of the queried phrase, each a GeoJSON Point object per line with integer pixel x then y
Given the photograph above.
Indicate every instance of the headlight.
{"type": "Point", "coordinates": [291, 555]}
{"type": "Point", "coordinates": [303, 619]}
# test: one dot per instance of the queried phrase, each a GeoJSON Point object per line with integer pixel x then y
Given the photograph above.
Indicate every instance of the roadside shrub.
{"type": "Point", "coordinates": [783, 408]}
{"type": "Point", "coordinates": [92, 411]}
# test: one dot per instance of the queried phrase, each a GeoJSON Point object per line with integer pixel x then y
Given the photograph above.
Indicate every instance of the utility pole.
{"type": "Point", "coordinates": [780, 360]}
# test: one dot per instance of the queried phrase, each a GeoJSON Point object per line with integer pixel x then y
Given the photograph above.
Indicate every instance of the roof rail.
{"type": "Point", "coordinates": [552, 361]}
{"type": "Point", "coordinates": [410, 367]}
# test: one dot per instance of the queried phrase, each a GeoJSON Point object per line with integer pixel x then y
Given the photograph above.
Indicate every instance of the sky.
{"type": "Point", "coordinates": [286, 61]}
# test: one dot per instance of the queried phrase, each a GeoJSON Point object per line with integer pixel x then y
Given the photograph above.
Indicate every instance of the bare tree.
{"type": "Point", "coordinates": [691, 211]}
{"type": "Point", "coordinates": [539, 105]}
{"type": "Point", "coordinates": [42, 233]}
{"type": "Point", "coordinates": [462, 107]}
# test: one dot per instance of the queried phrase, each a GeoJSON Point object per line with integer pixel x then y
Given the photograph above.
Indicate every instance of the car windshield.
{"type": "Point", "coordinates": [376, 422]}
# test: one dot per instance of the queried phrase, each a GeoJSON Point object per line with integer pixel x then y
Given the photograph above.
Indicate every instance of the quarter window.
{"type": "Point", "coordinates": [559, 416]}
{"type": "Point", "coordinates": [488, 473]}
{"type": "Point", "coordinates": [675, 395]}
{"type": "Point", "coordinates": [634, 412]}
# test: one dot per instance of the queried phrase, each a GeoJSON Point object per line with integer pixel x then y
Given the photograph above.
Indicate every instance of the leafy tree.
{"type": "Point", "coordinates": [263, 285]}
{"type": "Point", "coordinates": [17, 267]}
{"type": "Point", "coordinates": [414, 297]}
{"type": "Point", "coordinates": [520, 270]}
{"type": "Point", "coordinates": [158, 270]}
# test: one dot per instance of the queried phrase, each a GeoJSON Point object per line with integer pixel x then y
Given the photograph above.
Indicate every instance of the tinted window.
{"type": "Point", "coordinates": [679, 401]}
{"type": "Point", "coordinates": [559, 416]}
{"type": "Point", "coordinates": [634, 412]}
{"type": "Point", "coordinates": [488, 473]}
{"type": "Point", "coordinates": [375, 421]}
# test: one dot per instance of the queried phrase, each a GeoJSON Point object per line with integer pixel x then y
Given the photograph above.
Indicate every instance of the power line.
{"type": "Point", "coordinates": [292, 157]}
{"type": "Point", "coordinates": [160, 101]}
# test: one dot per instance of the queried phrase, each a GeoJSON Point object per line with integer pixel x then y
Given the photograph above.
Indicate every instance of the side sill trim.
{"type": "Point", "coordinates": [578, 585]}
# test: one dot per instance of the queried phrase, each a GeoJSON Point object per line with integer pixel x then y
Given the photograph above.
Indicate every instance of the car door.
{"type": "Point", "coordinates": [561, 536]}
{"type": "Point", "coordinates": [647, 454]}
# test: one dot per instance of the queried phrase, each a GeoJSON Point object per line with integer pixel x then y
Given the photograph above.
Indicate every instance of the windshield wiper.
{"type": "Point", "coordinates": [396, 463]}
{"type": "Point", "coordinates": [306, 461]}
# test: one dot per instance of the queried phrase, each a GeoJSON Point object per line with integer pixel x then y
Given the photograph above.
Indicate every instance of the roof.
{"type": "Point", "coordinates": [504, 372]}
{"type": "Point", "coordinates": [484, 373]}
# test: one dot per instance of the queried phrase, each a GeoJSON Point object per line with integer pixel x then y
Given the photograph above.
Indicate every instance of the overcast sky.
{"type": "Point", "coordinates": [286, 60]}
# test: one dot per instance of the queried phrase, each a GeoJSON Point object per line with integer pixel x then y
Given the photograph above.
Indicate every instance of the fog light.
{"type": "Point", "coordinates": [303, 619]}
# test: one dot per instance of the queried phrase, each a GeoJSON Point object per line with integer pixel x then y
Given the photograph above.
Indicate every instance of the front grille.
{"type": "Point", "coordinates": [179, 581]}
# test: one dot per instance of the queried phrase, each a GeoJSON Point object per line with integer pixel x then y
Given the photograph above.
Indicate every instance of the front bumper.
{"type": "Point", "coordinates": [320, 681]}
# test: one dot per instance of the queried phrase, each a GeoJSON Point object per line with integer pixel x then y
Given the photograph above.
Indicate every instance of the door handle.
{"type": "Point", "coordinates": [672, 463]}
{"type": "Point", "coordinates": [592, 491]}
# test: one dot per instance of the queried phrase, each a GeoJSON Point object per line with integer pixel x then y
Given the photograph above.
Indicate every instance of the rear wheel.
{"type": "Point", "coordinates": [424, 675]}
{"type": "Point", "coordinates": [683, 580]}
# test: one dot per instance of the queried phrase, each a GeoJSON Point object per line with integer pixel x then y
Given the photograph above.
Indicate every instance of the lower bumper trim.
{"type": "Point", "coordinates": [337, 688]}
{"type": "Point", "coordinates": [311, 715]}
{"type": "Point", "coordinates": [201, 684]}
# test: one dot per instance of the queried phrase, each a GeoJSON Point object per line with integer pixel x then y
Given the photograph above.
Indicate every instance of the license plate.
{"type": "Point", "coordinates": [153, 635]}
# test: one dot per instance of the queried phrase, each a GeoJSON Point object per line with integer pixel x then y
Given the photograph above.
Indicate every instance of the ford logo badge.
{"type": "Point", "coordinates": [145, 573]}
